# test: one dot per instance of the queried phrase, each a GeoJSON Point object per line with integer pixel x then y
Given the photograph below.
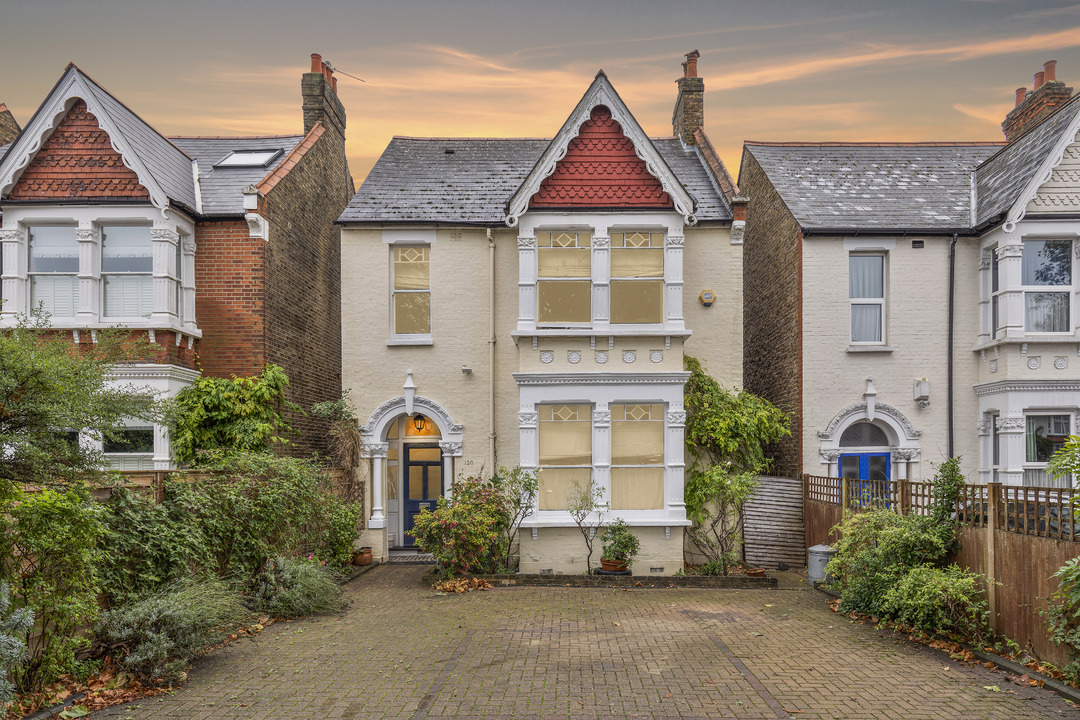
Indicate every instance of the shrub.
{"type": "Point", "coordinates": [158, 634]}
{"type": "Point", "coordinates": [940, 602]}
{"type": "Point", "coordinates": [1063, 615]}
{"type": "Point", "coordinates": [256, 506]}
{"type": "Point", "coordinates": [150, 544]}
{"type": "Point", "coordinates": [48, 553]}
{"type": "Point", "coordinates": [464, 534]}
{"type": "Point", "coordinates": [585, 502]}
{"type": "Point", "coordinates": [14, 626]}
{"type": "Point", "coordinates": [620, 543]}
{"type": "Point", "coordinates": [291, 587]}
{"type": "Point", "coordinates": [714, 505]}
{"type": "Point", "coordinates": [876, 549]}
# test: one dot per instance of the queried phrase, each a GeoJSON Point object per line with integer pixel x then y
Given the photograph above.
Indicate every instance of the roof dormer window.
{"type": "Point", "coordinates": [249, 158]}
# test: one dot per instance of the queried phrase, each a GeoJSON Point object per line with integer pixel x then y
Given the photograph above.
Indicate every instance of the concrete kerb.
{"type": "Point", "coordinates": [622, 581]}
{"type": "Point", "coordinates": [1066, 691]}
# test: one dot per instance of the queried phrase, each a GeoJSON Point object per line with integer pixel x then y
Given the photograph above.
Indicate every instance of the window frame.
{"type": "Point", "coordinates": [1066, 290]}
{"type": "Point", "coordinates": [661, 465]}
{"type": "Point", "coordinates": [397, 338]}
{"type": "Point", "coordinates": [614, 280]}
{"type": "Point", "coordinates": [148, 276]}
{"type": "Point", "coordinates": [1035, 466]}
{"type": "Point", "coordinates": [588, 281]}
{"type": "Point", "coordinates": [32, 275]}
{"type": "Point", "coordinates": [587, 422]}
{"type": "Point", "coordinates": [881, 303]}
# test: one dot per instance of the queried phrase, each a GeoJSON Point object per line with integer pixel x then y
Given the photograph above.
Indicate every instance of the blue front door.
{"type": "Point", "coordinates": [865, 466]}
{"type": "Point", "coordinates": [423, 482]}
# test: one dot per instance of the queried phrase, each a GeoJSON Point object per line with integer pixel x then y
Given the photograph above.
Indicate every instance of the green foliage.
{"type": "Point", "coordinates": [14, 627]}
{"type": "Point", "coordinates": [256, 506]}
{"type": "Point", "coordinates": [291, 587]}
{"type": "Point", "coordinates": [465, 534]}
{"type": "Point", "coordinates": [948, 482]}
{"type": "Point", "coordinates": [714, 505]}
{"type": "Point", "coordinates": [728, 428]}
{"type": "Point", "coordinates": [48, 554]}
{"type": "Point", "coordinates": [620, 543]}
{"type": "Point", "coordinates": [242, 414]}
{"type": "Point", "coordinates": [1066, 461]}
{"type": "Point", "coordinates": [877, 549]}
{"type": "Point", "coordinates": [149, 544]}
{"type": "Point", "coordinates": [516, 489]}
{"type": "Point", "coordinates": [585, 502]}
{"type": "Point", "coordinates": [937, 601]}
{"type": "Point", "coordinates": [1063, 615]}
{"type": "Point", "coordinates": [50, 388]}
{"type": "Point", "coordinates": [158, 634]}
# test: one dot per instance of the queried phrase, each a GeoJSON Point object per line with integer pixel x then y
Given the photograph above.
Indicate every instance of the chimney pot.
{"type": "Point", "coordinates": [1050, 71]}
{"type": "Point", "coordinates": [333, 82]}
{"type": "Point", "coordinates": [1021, 93]}
{"type": "Point", "coordinates": [316, 62]}
{"type": "Point", "coordinates": [690, 66]}
{"type": "Point", "coordinates": [1038, 80]}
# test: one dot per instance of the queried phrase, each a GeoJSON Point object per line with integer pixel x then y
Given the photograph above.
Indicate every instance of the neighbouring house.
{"type": "Point", "coordinates": [529, 301]}
{"type": "Point", "coordinates": [220, 250]}
{"type": "Point", "coordinates": [906, 302]}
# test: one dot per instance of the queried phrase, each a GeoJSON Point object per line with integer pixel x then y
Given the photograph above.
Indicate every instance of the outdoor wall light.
{"type": "Point", "coordinates": [418, 422]}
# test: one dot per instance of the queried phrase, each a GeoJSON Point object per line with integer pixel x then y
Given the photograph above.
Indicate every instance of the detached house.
{"type": "Point", "coordinates": [529, 301]}
{"type": "Point", "coordinates": [220, 250]}
{"type": "Point", "coordinates": [906, 302]}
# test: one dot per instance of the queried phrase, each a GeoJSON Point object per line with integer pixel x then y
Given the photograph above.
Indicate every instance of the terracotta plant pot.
{"type": "Point", "coordinates": [613, 565]}
{"type": "Point", "coordinates": [755, 572]}
{"type": "Point", "coordinates": [362, 556]}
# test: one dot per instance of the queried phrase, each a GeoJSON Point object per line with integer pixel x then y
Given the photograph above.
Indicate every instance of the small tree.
{"type": "Point", "coordinates": [517, 488]}
{"type": "Point", "coordinates": [583, 504]}
{"type": "Point", "coordinates": [238, 414]}
{"type": "Point", "coordinates": [726, 436]}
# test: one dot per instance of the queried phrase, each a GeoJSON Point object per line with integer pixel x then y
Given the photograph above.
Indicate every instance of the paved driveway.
{"type": "Point", "coordinates": [400, 651]}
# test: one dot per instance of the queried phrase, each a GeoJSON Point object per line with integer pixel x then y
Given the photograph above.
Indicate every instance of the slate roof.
{"type": "Point", "coordinates": [874, 185]}
{"type": "Point", "coordinates": [417, 181]}
{"type": "Point", "coordinates": [168, 165]}
{"type": "Point", "coordinates": [3, 150]}
{"type": "Point", "coordinates": [222, 187]}
{"type": "Point", "coordinates": [1001, 179]}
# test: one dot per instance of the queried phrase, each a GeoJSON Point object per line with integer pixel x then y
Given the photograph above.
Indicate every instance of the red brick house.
{"type": "Point", "coordinates": [221, 250]}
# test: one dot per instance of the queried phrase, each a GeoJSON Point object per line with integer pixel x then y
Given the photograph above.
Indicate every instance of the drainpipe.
{"type": "Point", "coordinates": [491, 352]}
{"type": "Point", "coordinates": [952, 291]}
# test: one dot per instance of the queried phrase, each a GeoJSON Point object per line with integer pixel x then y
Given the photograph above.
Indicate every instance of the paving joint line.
{"type": "Point", "coordinates": [440, 680]}
{"type": "Point", "coordinates": [760, 689]}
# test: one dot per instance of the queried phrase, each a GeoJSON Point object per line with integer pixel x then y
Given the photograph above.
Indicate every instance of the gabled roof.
{"type": "Point", "coordinates": [222, 187]}
{"type": "Point", "coordinates": [1006, 181]}
{"type": "Point", "coordinates": [874, 185]}
{"type": "Point", "coordinates": [162, 168]}
{"type": "Point", "coordinates": [467, 181]}
{"type": "Point", "coordinates": [600, 92]}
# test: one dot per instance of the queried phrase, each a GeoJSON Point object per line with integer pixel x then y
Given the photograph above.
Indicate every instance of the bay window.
{"type": "Point", "coordinates": [54, 270]}
{"type": "Point", "coordinates": [565, 453]}
{"type": "Point", "coordinates": [866, 291]}
{"type": "Point", "coordinates": [637, 457]}
{"type": "Point", "coordinates": [127, 266]}
{"type": "Point", "coordinates": [637, 277]}
{"type": "Point", "coordinates": [132, 447]}
{"type": "Point", "coordinates": [564, 277]}
{"type": "Point", "coordinates": [1046, 271]}
{"type": "Point", "coordinates": [1044, 435]}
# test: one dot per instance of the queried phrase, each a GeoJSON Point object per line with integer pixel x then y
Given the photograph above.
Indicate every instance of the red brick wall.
{"type": "Point", "coordinates": [77, 161]}
{"type": "Point", "coordinates": [230, 299]}
{"type": "Point", "coordinates": [601, 169]}
{"type": "Point", "coordinates": [772, 309]}
{"type": "Point", "coordinates": [1038, 105]}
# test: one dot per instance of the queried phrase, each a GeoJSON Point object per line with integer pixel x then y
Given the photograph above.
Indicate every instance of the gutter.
{"type": "Point", "coordinates": [491, 352]}
{"type": "Point", "coordinates": [891, 232]}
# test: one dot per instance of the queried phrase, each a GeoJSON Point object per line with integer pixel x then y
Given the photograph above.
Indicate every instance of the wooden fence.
{"type": "Point", "coordinates": [1016, 536]}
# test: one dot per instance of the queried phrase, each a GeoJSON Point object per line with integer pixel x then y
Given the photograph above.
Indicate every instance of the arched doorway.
{"type": "Point", "coordinates": [414, 474]}
{"type": "Point", "coordinates": [864, 452]}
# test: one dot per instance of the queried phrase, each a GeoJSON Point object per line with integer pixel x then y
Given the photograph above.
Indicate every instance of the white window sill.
{"type": "Point", "coordinates": [410, 340]}
{"type": "Point", "coordinates": [870, 349]}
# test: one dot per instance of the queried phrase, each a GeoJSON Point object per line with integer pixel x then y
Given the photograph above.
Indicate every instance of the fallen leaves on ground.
{"type": "Point", "coordinates": [462, 585]}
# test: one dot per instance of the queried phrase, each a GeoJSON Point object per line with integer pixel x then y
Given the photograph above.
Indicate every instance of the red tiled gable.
{"type": "Point", "coordinates": [600, 169]}
{"type": "Point", "coordinates": [77, 161]}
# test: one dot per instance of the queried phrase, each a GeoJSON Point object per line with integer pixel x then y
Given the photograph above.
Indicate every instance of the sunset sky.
{"type": "Point", "coordinates": [773, 70]}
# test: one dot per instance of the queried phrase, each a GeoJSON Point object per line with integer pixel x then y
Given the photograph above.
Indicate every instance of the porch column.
{"type": "Point", "coordinates": [900, 459]}
{"type": "Point", "coordinates": [1011, 436]}
{"type": "Point", "coordinates": [378, 452]}
{"type": "Point", "coordinates": [831, 458]}
{"type": "Point", "coordinates": [449, 450]}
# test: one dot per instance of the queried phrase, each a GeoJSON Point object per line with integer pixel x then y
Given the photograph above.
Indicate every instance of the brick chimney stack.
{"type": "Point", "coordinates": [321, 103]}
{"type": "Point", "coordinates": [9, 129]}
{"type": "Point", "coordinates": [1047, 95]}
{"type": "Point", "coordinates": [689, 114]}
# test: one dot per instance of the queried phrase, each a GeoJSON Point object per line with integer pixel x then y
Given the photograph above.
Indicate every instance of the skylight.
{"type": "Point", "coordinates": [248, 158]}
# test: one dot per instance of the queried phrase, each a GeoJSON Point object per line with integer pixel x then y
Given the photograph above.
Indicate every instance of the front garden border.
{"type": "Point", "coordinates": [739, 582]}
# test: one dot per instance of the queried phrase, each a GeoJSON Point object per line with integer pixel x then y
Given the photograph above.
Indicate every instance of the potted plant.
{"type": "Point", "coordinates": [362, 556]}
{"type": "Point", "coordinates": [620, 547]}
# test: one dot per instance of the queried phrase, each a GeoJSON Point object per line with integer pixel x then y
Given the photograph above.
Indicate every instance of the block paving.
{"type": "Point", "coordinates": [400, 650]}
